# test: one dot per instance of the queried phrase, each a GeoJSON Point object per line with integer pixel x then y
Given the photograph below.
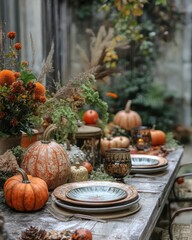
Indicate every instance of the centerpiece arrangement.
{"type": "Point", "coordinates": [20, 92]}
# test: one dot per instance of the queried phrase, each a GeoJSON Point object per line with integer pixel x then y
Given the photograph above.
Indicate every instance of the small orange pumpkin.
{"type": "Point", "coordinates": [88, 166]}
{"type": "Point", "coordinates": [157, 137]}
{"type": "Point", "coordinates": [25, 193]}
{"type": "Point", "coordinates": [113, 142]}
{"type": "Point", "coordinates": [47, 160]}
{"type": "Point", "coordinates": [82, 234]}
{"type": "Point", "coordinates": [90, 117]}
{"type": "Point", "coordinates": [127, 118]}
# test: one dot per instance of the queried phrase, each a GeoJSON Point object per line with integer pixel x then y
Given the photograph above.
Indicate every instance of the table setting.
{"type": "Point", "coordinates": [101, 199]}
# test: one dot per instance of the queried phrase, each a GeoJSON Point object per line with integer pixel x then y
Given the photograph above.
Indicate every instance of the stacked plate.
{"type": "Point", "coordinates": [96, 197]}
{"type": "Point", "coordinates": [148, 163]}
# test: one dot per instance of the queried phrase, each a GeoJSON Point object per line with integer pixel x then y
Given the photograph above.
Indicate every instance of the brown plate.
{"type": "Point", "coordinates": [149, 160]}
{"type": "Point", "coordinates": [62, 191]}
{"type": "Point", "coordinates": [111, 215]}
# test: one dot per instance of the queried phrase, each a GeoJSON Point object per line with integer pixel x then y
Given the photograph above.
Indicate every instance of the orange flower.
{"type": "Point", "coordinates": [25, 63]}
{"type": "Point", "coordinates": [17, 74]}
{"type": "Point", "coordinates": [11, 35]}
{"type": "Point", "coordinates": [113, 95]}
{"type": "Point", "coordinates": [17, 46]}
{"type": "Point", "coordinates": [6, 77]}
{"type": "Point", "coordinates": [39, 90]}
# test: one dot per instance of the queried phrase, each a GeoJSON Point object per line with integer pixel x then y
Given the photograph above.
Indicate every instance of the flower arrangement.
{"type": "Point", "coordinates": [20, 92]}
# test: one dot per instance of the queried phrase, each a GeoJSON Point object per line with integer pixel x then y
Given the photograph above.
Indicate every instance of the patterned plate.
{"type": "Point", "coordinates": [96, 194]}
{"type": "Point", "coordinates": [106, 209]}
{"type": "Point", "coordinates": [147, 161]}
{"type": "Point", "coordinates": [61, 193]}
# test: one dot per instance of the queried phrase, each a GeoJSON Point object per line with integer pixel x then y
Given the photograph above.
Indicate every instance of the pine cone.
{"type": "Point", "coordinates": [59, 235]}
{"type": "Point", "coordinates": [33, 233]}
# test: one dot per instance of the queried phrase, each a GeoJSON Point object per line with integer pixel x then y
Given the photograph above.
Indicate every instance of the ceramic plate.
{"type": "Point", "coordinates": [111, 215]}
{"type": "Point", "coordinates": [149, 170]}
{"type": "Point", "coordinates": [96, 194]}
{"type": "Point", "coordinates": [147, 161]}
{"type": "Point", "coordinates": [97, 209]}
{"type": "Point", "coordinates": [62, 191]}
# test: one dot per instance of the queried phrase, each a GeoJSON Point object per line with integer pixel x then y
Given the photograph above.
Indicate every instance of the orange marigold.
{"type": "Point", "coordinates": [6, 77]}
{"type": "Point", "coordinates": [17, 46]}
{"type": "Point", "coordinates": [25, 63]}
{"type": "Point", "coordinates": [11, 35]}
{"type": "Point", "coordinates": [113, 95]}
{"type": "Point", "coordinates": [39, 90]}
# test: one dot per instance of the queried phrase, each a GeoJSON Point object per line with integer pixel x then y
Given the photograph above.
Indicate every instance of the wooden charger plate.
{"type": "Point", "coordinates": [161, 161]}
{"type": "Point", "coordinates": [111, 215]}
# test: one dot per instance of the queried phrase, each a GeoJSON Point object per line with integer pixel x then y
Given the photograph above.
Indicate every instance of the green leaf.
{"type": "Point", "coordinates": [27, 76]}
{"type": "Point", "coordinates": [163, 2]}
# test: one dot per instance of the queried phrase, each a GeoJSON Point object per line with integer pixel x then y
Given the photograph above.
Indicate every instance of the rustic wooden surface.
{"type": "Point", "coordinates": [153, 190]}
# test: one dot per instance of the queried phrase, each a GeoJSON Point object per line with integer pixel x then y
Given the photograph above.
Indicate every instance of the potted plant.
{"type": "Point", "coordinates": [20, 94]}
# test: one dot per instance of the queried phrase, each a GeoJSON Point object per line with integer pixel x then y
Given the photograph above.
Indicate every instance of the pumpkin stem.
{"type": "Point", "coordinates": [48, 131]}
{"type": "Point", "coordinates": [128, 106]}
{"type": "Point", "coordinates": [77, 165]}
{"type": "Point", "coordinates": [24, 175]}
{"type": "Point", "coordinates": [153, 127]}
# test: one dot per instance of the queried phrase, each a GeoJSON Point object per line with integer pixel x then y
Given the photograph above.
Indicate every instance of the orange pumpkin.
{"type": "Point", "coordinates": [25, 193]}
{"type": "Point", "coordinates": [127, 118]}
{"type": "Point", "coordinates": [47, 160]}
{"type": "Point", "coordinates": [157, 137]}
{"type": "Point", "coordinates": [90, 117]}
{"type": "Point", "coordinates": [88, 166]}
{"type": "Point", "coordinates": [82, 234]}
{"type": "Point", "coordinates": [113, 142]}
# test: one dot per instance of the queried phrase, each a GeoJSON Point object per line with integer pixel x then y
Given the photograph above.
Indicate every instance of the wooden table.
{"type": "Point", "coordinates": [153, 190]}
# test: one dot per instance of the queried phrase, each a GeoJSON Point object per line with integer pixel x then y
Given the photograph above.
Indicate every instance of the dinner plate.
{"type": "Point", "coordinates": [147, 161]}
{"type": "Point", "coordinates": [149, 170]}
{"type": "Point", "coordinates": [62, 191]}
{"type": "Point", "coordinates": [55, 209]}
{"type": "Point", "coordinates": [96, 193]}
{"type": "Point", "coordinates": [106, 209]}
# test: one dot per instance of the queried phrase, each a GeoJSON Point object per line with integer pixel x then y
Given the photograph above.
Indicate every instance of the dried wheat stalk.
{"type": "Point", "coordinates": [47, 65]}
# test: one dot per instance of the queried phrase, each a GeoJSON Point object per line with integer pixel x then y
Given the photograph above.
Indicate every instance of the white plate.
{"type": "Point", "coordinates": [96, 193]}
{"type": "Point", "coordinates": [147, 161]}
{"type": "Point", "coordinates": [97, 209]}
{"type": "Point", "coordinates": [149, 170]}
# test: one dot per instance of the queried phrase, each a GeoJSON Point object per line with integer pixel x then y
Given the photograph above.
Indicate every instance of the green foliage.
{"type": "Point", "coordinates": [163, 2]}
{"type": "Point", "coordinates": [92, 98]}
{"type": "Point", "coordinates": [152, 101]}
{"type": "Point", "coordinates": [62, 115]}
{"type": "Point", "coordinates": [18, 152]}
{"type": "Point", "coordinates": [171, 142]}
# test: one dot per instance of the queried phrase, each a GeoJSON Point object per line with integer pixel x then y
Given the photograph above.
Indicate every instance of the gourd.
{"type": "Point", "coordinates": [78, 173]}
{"type": "Point", "coordinates": [90, 117]}
{"type": "Point", "coordinates": [113, 142]}
{"type": "Point", "coordinates": [82, 234]}
{"type": "Point", "coordinates": [25, 193]}
{"type": "Point", "coordinates": [157, 137]}
{"type": "Point", "coordinates": [47, 160]}
{"type": "Point", "coordinates": [127, 118]}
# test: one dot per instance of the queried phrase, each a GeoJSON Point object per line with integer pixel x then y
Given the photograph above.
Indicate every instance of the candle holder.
{"type": "Point", "coordinates": [141, 138]}
{"type": "Point", "coordinates": [117, 163]}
